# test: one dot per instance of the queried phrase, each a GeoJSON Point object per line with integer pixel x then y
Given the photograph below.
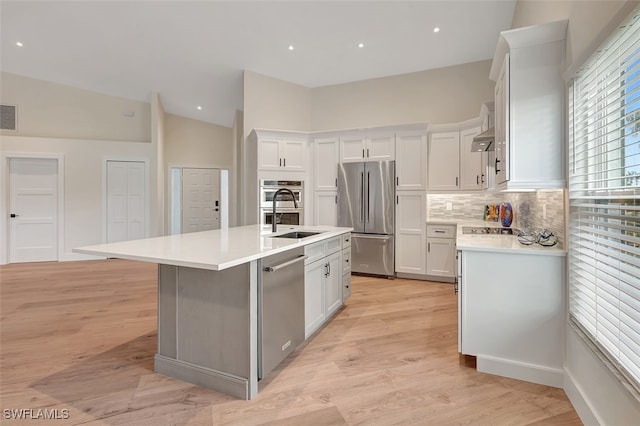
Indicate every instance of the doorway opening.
{"type": "Point", "coordinates": [199, 199]}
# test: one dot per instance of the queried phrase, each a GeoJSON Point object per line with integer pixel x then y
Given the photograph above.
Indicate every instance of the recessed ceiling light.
{"type": "Point", "coordinates": [290, 47]}
{"type": "Point", "coordinates": [436, 30]}
{"type": "Point", "coordinates": [19, 44]}
{"type": "Point", "coordinates": [360, 45]}
{"type": "Point", "coordinates": [199, 108]}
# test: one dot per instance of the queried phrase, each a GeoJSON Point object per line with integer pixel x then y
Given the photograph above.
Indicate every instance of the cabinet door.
{"type": "Point", "coordinates": [441, 257]}
{"type": "Point", "coordinates": [333, 283]}
{"type": "Point", "coordinates": [381, 147]}
{"type": "Point", "coordinates": [314, 311]}
{"type": "Point", "coordinates": [325, 208]}
{"type": "Point", "coordinates": [293, 155]}
{"type": "Point", "coordinates": [352, 149]}
{"type": "Point", "coordinates": [411, 161]}
{"type": "Point", "coordinates": [444, 158]}
{"type": "Point", "coordinates": [471, 174]}
{"type": "Point", "coordinates": [411, 232]}
{"type": "Point", "coordinates": [269, 154]}
{"type": "Point", "coordinates": [325, 164]}
{"type": "Point", "coordinates": [502, 123]}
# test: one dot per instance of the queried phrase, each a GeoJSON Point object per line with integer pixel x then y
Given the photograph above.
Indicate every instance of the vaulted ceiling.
{"type": "Point", "coordinates": [193, 53]}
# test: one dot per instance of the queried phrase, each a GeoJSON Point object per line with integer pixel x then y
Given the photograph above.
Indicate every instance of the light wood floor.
{"type": "Point", "coordinates": [82, 335]}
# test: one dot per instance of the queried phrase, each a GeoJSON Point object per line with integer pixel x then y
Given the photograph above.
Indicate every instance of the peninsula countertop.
{"type": "Point", "coordinates": [214, 250]}
{"type": "Point", "coordinates": [494, 242]}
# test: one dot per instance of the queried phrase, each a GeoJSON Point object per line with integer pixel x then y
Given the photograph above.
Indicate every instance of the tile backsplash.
{"type": "Point", "coordinates": [528, 208]}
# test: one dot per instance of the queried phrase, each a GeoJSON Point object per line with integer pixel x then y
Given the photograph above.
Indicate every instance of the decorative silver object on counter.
{"type": "Point", "coordinates": [544, 237]}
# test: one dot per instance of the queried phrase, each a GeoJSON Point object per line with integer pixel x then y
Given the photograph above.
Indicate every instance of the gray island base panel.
{"type": "Point", "coordinates": [208, 327]}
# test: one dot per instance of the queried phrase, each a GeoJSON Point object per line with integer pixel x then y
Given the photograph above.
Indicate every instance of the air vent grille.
{"type": "Point", "coordinates": [8, 117]}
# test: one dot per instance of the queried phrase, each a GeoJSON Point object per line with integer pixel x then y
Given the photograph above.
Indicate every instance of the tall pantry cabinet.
{"type": "Point", "coordinates": [411, 202]}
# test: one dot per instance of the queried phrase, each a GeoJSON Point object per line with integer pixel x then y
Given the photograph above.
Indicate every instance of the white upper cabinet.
{"type": "Point", "coordinates": [444, 158]}
{"type": "Point", "coordinates": [472, 168]}
{"type": "Point", "coordinates": [529, 100]}
{"type": "Point", "coordinates": [372, 147]}
{"type": "Point", "coordinates": [326, 155]}
{"type": "Point", "coordinates": [411, 161]}
{"type": "Point", "coordinates": [284, 152]}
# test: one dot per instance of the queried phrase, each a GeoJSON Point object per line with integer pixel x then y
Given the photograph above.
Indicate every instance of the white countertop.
{"type": "Point", "coordinates": [494, 242]}
{"type": "Point", "coordinates": [214, 250]}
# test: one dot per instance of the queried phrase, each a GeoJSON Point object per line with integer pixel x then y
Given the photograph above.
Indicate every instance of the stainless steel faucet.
{"type": "Point", "coordinates": [274, 225]}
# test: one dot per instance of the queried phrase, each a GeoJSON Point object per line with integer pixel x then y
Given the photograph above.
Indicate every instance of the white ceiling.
{"type": "Point", "coordinates": [193, 53]}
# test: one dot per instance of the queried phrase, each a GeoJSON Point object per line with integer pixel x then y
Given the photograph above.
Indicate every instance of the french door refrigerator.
{"type": "Point", "coordinates": [366, 203]}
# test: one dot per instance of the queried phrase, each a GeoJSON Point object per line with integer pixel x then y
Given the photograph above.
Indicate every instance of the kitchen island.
{"type": "Point", "coordinates": [209, 289]}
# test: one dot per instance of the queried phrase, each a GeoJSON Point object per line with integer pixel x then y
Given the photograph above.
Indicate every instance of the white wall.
{"type": "Point", "coordinates": [444, 95]}
{"type": "Point", "coordinates": [597, 395]}
{"type": "Point", "coordinates": [83, 162]}
{"type": "Point", "coordinates": [48, 109]}
{"type": "Point", "coordinates": [270, 103]}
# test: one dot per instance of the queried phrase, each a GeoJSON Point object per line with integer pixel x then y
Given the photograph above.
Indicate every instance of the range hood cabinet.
{"type": "Point", "coordinates": [484, 141]}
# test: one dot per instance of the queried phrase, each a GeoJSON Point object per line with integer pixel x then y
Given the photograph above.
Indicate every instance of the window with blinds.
{"type": "Point", "coordinates": [604, 199]}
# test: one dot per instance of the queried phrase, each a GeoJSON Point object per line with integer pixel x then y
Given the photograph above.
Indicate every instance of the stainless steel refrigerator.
{"type": "Point", "coordinates": [366, 202]}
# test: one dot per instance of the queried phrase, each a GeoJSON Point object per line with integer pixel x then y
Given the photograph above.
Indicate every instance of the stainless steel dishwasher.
{"type": "Point", "coordinates": [280, 308]}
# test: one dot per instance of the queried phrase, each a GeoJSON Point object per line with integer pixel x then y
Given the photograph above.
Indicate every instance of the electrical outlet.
{"type": "Point", "coordinates": [449, 205]}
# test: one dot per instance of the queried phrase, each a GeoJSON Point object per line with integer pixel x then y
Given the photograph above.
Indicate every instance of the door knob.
{"type": "Point", "coordinates": [14, 215]}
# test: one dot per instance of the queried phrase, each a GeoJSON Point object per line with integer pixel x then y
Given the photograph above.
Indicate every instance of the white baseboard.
{"type": "Point", "coordinates": [70, 257]}
{"type": "Point", "coordinates": [577, 398]}
{"type": "Point", "coordinates": [522, 371]}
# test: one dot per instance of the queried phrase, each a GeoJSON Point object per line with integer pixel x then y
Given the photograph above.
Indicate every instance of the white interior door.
{"type": "Point", "coordinates": [33, 204]}
{"type": "Point", "coordinates": [126, 197]}
{"type": "Point", "coordinates": [201, 202]}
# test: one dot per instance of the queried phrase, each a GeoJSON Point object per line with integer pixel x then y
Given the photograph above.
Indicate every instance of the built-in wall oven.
{"type": "Point", "coordinates": [286, 212]}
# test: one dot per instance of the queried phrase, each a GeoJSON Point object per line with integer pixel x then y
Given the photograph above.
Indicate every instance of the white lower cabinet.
{"type": "Point", "coordinates": [333, 283]}
{"type": "Point", "coordinates": [314, 310]}
{"type": "Point", "coordinates": [323, 282]}
{"type": "Point", "coordinates": [325, 208]}
{"type": "Point", "coordinates": [441, 252]}
{"type": "Point", "coordinates": [410, 232]}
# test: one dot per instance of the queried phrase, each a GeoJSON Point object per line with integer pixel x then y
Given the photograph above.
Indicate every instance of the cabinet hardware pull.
{"type": "Point", "coordinates": [397, 181]}
{"type": "Point", "coordinates": [497, 169]}
{"type": "Point", "coordinates": [482, 180]}
{"type": "Point", "coordinates": [456, 180]}
{"type": "Point", "coordinates": [397, 199]}
{"type": "Point", "coordinates": [477, 180]}
{"type": "Point", "coordinates": [336, 182]}
{"type": "Point", "coordinates": [336, 199]}
{"type": "Point", "coordinates": [362, 152]}
{"type": "Point", "coordinates": [284, 161]}
{"type": "Point", "coordinates": [367, 152]}
{"type": "Point", "coordinates": [280, 162]}
{"type": "Point", "coordinates": [429, 247]}
{"type": "Point", "coordinates": [439, 231]}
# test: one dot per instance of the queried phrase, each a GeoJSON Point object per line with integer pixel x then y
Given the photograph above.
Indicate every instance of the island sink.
{"type": "Point", "coordinates": [296, 234]}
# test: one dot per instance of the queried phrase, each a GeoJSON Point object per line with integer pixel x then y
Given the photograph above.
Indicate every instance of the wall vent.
{"type": "Point", "coordinates": [8, 117]}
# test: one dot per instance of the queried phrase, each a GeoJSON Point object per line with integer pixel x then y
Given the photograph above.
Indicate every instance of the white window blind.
{"type": "Point", "coordinates": [604, 199]}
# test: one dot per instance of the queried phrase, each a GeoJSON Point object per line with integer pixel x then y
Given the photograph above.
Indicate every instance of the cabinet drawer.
{"type": "Point", "coordinates": [346, 287]}
{"type": "Point", "coordinates": [333, 245]}
{"type": "Point", "coordinates": [346, 261]}
{"type": "Point", "coordinates": [314, 252]}
{"type": "Point", "coordinates": [322, 249]}
{"type": "Point", "coordinates": [346, 240]}
{"type": "Point", "coordinates": [441, 231]}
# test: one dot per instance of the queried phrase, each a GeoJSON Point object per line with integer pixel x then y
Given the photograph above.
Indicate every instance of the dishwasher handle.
{"type": "Point", "coordinates": [285, 264]}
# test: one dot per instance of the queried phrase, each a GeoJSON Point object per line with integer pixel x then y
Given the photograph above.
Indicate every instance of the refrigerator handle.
{"type": "Point", "coordinates": [362, 197]}
{"type": "Point", "coordinates": [368, 192]}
